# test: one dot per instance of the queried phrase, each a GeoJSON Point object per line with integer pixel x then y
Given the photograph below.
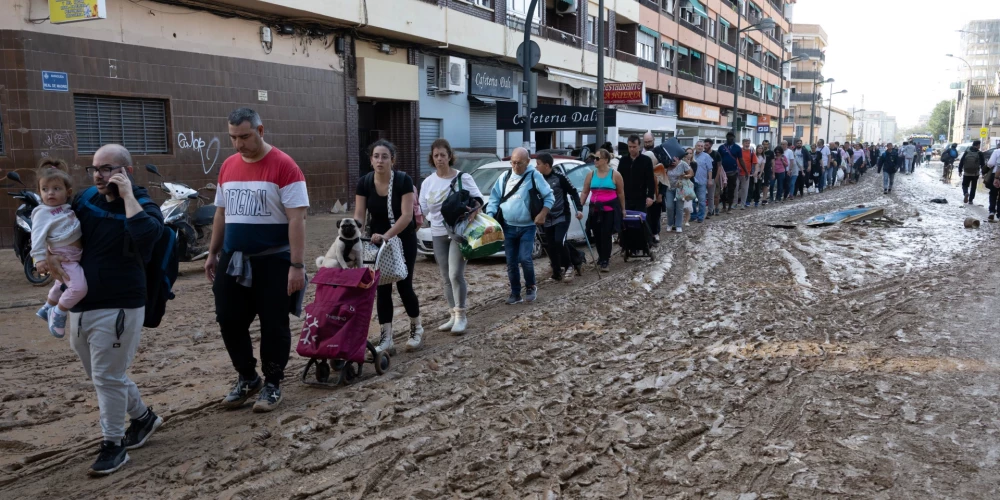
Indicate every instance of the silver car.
{"type": "Point", "coordinates": [487, 175]}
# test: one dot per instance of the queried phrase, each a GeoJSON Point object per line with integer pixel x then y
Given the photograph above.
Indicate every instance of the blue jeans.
{"type": "Point", "coordinates": [675, 209]}
{"type": "Point", "coordinates": [790, 185]}
{"type": "Point", "coordinates": [887, 179]}
{"type": "Point", "coordinates": [517, 244]}
{"type": "Point", "coordinates": [700, 190]}
{"type": "Point", "coordinates": [779, 186]}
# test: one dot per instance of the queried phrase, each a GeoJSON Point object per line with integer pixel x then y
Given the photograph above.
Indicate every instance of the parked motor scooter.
{"type": "Point", "coordinates": [22, 230]}
{"type": "Point", "coordinates": [193, 232]}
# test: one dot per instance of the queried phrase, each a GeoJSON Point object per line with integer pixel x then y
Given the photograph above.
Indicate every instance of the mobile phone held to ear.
{"type": "Point", "coordinates": [113, 188]}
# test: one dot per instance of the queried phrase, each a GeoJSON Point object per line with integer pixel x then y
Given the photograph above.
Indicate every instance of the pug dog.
{"type": "Point", "coordinates": [345, 253]}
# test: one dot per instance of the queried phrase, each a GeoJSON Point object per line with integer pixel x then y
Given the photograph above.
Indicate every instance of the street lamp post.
{"type": "Point", "coordinates": [968, 95]}
{"type": "Point", "coordinates": [812, 112]}
{"type": "Point", "coordinates": [764, 24]}
{"type": "Point", "coordinates": [781, 92]}
{"type": "Point", "coordinates": [829, 111]}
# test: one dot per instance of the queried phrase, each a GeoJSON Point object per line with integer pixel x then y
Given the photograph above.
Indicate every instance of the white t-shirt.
{"type": "Point", "coordinates": [434, 191]}
{"type": "Point", "coordinates": [512, 180]}
{"type": "Point", "coordinates": [826, 155]}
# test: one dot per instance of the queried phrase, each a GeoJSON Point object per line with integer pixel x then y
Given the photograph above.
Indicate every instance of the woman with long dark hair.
{"type": "Point", "coordinates": [373, 199]}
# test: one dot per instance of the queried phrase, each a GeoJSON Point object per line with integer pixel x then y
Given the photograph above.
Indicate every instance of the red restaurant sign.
{"type": "Point", "coordinates": [624, 93]}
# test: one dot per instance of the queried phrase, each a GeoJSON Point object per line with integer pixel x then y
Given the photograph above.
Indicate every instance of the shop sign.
{"type": "Point", "coordinates": [552, 117]}
{"type": "Point", "coordinates": [751, 120]}
{"type": "Point", "coordinates": [491, 81]}
{"type": "Point", "coordinates": [697, 111]}
{"type": "Point", "coordinates": [763, 128]}
{"type": "Point", "coordinates": [669, 108]}
{"type": "Point", "coordinates": [712, 132]}
{"type": "Point", "coordinates": [624, 93]}
{"type": "Point", "coordinates": [68, 11]}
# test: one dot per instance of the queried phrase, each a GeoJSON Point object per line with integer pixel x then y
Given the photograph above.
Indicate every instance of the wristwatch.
{"type": "Point", "coordinates": [298, 265]}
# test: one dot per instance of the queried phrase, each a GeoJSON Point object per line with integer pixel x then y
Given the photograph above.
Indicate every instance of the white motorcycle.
{"type": "Point", "coordinates": [193, 232]}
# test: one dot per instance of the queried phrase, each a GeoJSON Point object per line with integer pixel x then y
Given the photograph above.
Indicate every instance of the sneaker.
{"type": "Point", "coordinates": [531, 293]}
{"type": "Point", "coordinates": [140, 429]}
{"type": "Point", "coordinates": [965, 200]}
{"type": "Point", "coordinates": [242, 392]}
{"type": "Point", "coordinates": [885, 191]}
{"type": "Point", "coordinates": [579, 269]}
{"type": "Point", "coordinates": [268, 400]}
{"type": "Point", "coordinates": [757, 204]}
{"type": "Point", "coordinates": [656, 238]}
{"type": "Point", "coordinates": [993, 218]}
{"type": "Point", "coordinates": [111, 458]}
{"type": "Point", "coordinates": [514, 299]}
{"type": "Point", "coordinates": [567, 277]}
{"type": "Point", "coordinates": [57, 323]}
{"type": "Point", "coordinates": [44, 312]}
{"type": "Point", "coordinates": [604, 267]}
{"type": "Point", "coordinates": [556, 277]}
{"type": "Point", "coordinates": [679, 230]}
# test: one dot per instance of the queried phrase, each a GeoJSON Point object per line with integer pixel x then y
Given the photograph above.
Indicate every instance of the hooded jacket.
{"type": "Point", "coordinates": [517, 210]}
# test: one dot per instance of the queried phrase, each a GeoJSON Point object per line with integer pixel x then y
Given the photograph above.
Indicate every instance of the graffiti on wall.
{"type": "Point", "coordinates": [207, 152]}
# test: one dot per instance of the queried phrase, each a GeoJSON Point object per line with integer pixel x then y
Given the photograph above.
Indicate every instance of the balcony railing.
{"type": "Point", "coordinates": [726, 88]}
{"type": "Point", "coordinates": [730, 3]}
{"type": "Point", "coordinates": [804, 120]}
{"type": "Point", "coordinates": [697, 29]}
{"type": "Point", "coordinates": [647, 64]}
{"type": "Point", "coordinates": [804, 97]}
{"type": "Point", "coordinates": [728, 46]}
{"type": "Point", "coordinates": [807, 75]}
{"type": "Point", "coordinates": [810, 53]}
{"type": "Point", "coordinates": [689, 77]}
{"type": "Point", "coordinates": [517, 23]}
{"type": "Point", "coordinates": [626, 57]}
{"type": "Point", "coordinates": [562, 37]}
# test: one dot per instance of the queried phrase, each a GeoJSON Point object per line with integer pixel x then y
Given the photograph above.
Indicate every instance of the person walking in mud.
{"type": "Point", "coordinates": [636, 170]}
{"type": "Point", "coordinates": [563, 256]}
{"type": "Point", "coordinates": [604, 188]}
{"type": "Point", "coordinates": [972, 164]}
{"type": "Point", "coordinates": [373, 197]}
{"type": "Point", "coordinates": [106, 325]}
{"type": "Point", "coordinates": [435, 189]}
{"type": "Point", "coordinates": [732, 161]}
{"type": "Point", "coordinates": [255, 259]}
{"type": "Point", "coordinates": [511, 199]}
{"type": "Point", "coordinates": [888, 163]}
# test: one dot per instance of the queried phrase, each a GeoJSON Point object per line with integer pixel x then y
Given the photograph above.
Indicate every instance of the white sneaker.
{"type": "Point", "coordinates": [416, 334]}
{"type": "Point", "coordinates": [461, 322]}
{"type": "Point", "coordinates": [446, 326]}
{"type": "Point", "coordinates": [385, 340]}
{"type": "Point", "coordinates": [679, 230]}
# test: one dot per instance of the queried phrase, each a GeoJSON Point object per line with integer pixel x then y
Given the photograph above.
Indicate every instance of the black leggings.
{"type": "Point", "coordinates": [404, 287]}
{"type": "Point", "coordinates": [603, 226]}
{"type": "Point", "coordinates": [236, 306]}
{"type": "Point", "coordinates": [562, 254]}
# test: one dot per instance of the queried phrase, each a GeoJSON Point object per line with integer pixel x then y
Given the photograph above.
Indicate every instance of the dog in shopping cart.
{"type": "Point", "coordinates": [345, 252]}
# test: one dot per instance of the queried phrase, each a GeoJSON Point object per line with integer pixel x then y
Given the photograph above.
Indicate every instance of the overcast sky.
{"type": "Point", "coordinates": [892, 51]}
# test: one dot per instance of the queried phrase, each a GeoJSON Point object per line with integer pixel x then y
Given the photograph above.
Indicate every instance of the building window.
{"type": "Point", "coordinates": [591, 22]}
{"type": "Point", "coordinates": [667, 57]}
{"type": "Point", "coordinates": [520, 8]}
{"type": "Point", "coordinates": [727, 34]}
{"type": "Point", "coordinates": [645, 46]}
{"type": "Point", "coordinates": [690, 64]}
{"type": "Point", "coordinates": [138, 124]}
{"type": "Point", "coordinates": [667, 6]}
{"type": "Point", "coordinates": [711, 29]}
{"type": "Point", "coordinates": [488, 4]}
{"type": "Point", "coordinates": [710, 72]}
{"type": "Point", "coordinates": [689, 16]}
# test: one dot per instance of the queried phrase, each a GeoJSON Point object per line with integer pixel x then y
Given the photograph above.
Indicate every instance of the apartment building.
{"type": "Point", "coordinates": [873, 126]}
{"type": "Point", "coordinates": [979, 100]}
{"type": "Point", "coordinates": [802, 118]}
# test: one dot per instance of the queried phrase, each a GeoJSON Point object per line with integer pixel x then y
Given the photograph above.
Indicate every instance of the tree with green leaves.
{"type": "Point", "coordinates": [938, 124]}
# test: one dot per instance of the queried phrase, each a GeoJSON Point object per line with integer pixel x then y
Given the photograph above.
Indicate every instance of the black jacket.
{"type": "Point", "coordinates": [889, 161]}
{"type": "Point", "coordinates": [980, 161]}
{"type": "Point", "coordinates": [637, 177]}
{"type": "Point", "coordinates": [115, 252]}
{"type": "Point", "coordinates": [561, 186]}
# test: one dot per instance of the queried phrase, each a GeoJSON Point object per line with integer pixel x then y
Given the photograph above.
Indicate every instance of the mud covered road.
{"type": "Point", "coordinates": [744, 362]}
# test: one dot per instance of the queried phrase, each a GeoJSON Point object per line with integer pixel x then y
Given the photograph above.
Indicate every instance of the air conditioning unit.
{"type": "Point", "coordinates": [656, 101]}
{"type": "Point", "coordinates": [452, 74]}
{"type": "Point", "coordinates": [565, 7]}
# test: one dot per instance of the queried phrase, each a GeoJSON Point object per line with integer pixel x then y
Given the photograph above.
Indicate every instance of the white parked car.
{"type": "Point", "coordinates": [487, 175]}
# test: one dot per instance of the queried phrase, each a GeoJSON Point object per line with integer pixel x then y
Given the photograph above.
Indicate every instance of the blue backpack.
{"type": "Point", "coordinates": [161, 270]}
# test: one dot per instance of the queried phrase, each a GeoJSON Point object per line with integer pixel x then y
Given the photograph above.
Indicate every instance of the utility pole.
{"type": "Point", "coordinates": [526, 68]}
{"type": "Point", "coordinates": [600, 74]}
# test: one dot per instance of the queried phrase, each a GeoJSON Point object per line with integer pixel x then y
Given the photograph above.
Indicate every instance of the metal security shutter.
{"type": "Point", "coordinates": [430, 131]}
{"type": "Point", "coordinates": [138, 124]}
{"type": "Point", "coordinates": [483, 127]}
{"type": "Point", "coordinates": [2, 150]}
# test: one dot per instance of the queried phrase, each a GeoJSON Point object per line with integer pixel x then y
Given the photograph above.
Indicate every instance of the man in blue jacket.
{"type": "Point", "coordinates": [105, 326]}
{"type": "Point", "coordinates": [511, 197]}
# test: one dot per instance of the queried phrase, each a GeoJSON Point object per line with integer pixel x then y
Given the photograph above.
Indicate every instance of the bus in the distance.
{"type": "Point", "coordinates": [923, 140]}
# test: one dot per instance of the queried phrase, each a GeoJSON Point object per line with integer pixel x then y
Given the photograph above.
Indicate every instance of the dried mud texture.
{"type": "Point", "coordinates": [743, 362]}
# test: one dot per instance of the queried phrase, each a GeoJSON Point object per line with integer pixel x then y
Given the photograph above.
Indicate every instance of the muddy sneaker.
{"type": "Point", "coordinates": [604, 267]}
{"type": "Point", "coordinates": [141, 428]}
{"type": "Point", "coordinates": [111, 458]}
{"type": "Point", "coordinates": [44, 312]}
{"type": "Point", "coordinates": [531, 293]}
{"type": "Point", "coordinates": [57, 323]}
{"type": "Point", "coordinates": [567, 278]}
{"type": "Point", "coordinates": [993, 217]}
{"type": "Point", "coordinates": [514, 299]}
{"type": "Point", "coordinates": [268, 400]}
{"type": "Point", "coordinates": [242, 392]}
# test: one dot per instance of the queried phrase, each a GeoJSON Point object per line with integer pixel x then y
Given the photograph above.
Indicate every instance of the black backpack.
{"type": "Point", "coordinates": [161, 270]}
{"type": "Point", "coordinates": [457, 204]}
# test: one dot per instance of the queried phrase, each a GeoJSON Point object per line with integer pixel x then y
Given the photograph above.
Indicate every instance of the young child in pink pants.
{"type": "Point", "coordinates": [55, 229]}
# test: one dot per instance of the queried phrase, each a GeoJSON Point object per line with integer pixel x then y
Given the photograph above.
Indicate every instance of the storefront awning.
{"type": "Point", "coordinates": [575, 80]}
{"type": "Point", "coordinates": [484, 100]}
{"type": "Point", "coordinates": [698, 8]}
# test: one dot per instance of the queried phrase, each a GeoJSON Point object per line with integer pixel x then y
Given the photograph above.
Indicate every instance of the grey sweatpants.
{"type": "Point", "coordinates": [106, 341]}
{"type": "Point", "coordinates": [452, 265]}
